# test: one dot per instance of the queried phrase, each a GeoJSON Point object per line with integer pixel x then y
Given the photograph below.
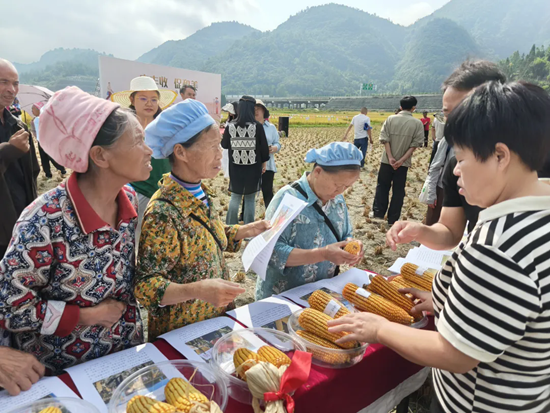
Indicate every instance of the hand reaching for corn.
{"type": "Point", "coordinates": [362, 327]}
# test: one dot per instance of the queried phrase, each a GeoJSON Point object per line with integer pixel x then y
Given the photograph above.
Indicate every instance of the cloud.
{"type": "Point", "coordinates": [411, 13]}
{"type": "Point", "coordinates": [125, 28]}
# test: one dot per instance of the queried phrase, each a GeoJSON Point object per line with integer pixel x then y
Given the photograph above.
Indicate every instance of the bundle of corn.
{"type": "Point", "coordinates": [421, 276]}
{"type": "Point", "coordinates": [182, 395]}
{"type": "Point", "coordinates": [321, 301]}
{"type": "Point", "coordinates": [373, 303]}
{"type": "Point", "coordinates": [403, 283]}
{"type": "Point", "coordinates": [244, 359]}
{"type": "Point", "coordinates": [316, 322]}
{"type": "Point", "coordinates": [389, 291]}
{"type": "Point", "coordinates": [143, 404]}
{"type": "Point", "coordinates": [274, 356]}
{"type": "Point", "coordinates": [326, 356]}
{"type": "Point", "coordinates": [51, 410]}
{"type": "Point", "coordinates": [265, 378]}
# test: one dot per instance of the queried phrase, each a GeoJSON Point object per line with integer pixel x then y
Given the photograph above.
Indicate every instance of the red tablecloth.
{"type": "Point", "coordinates": [343, 391]}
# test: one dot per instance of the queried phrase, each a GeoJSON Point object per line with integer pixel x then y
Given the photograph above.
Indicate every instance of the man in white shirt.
{"type": "Point", "coordinates": [438, 131]}
{"type": "Point", "coordinates": [363, 129]}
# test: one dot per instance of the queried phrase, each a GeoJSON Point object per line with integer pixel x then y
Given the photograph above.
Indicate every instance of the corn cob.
{"type": "Point", "coordinates": [407, 283]}
{"type": "Point", "coordinates": [182, 395]}
{"type": "Point", "coordinates": [316, 322]}
{"type": "Point", "coordinates": [376, 304]}
{"type": "Point", "coordinates": [241, 356]}
{"type": "Point", "coordinates": [383, 287]}
{"type": "Point", "coordinates": [51, 409]}
{"type": "Point", "coordinates": [325, 356]}
{"type": "Point", "coordinates": [142, 404]}
{"type": "Point", "coordinates": [319, 300]}
{"type": "Point", "coordinates": [274, 356]}
{"type": "Point", "coordinates": [424, 279]}
{"type": "Point", "coordinates": [353, 247]}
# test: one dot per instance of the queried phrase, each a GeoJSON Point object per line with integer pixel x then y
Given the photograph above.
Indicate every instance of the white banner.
{"type": "Point", "coordinates": [115, 76]}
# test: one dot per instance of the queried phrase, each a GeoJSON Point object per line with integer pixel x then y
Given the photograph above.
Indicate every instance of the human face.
{"type": "Point", "coordinates": [9, 85]}
{"type": "Point", "coordinates": [130, 157]}
{"type": "Point", "coordinates": [146, 103]}
{"type": "Point", "coordinates": [451, 99]}
{"type": "Point", "coordinates": [188, 94]}
{"type": "Point", "coordinates": [35, 111]}
{"type": "Point", "coordinates": [259, 113]}
{"type": "Point", "coordinates": [328, 185]}
{"type": "Point", "coordinates": [481, 183]}
{"type": "Point", "coordinates": [205, 156]}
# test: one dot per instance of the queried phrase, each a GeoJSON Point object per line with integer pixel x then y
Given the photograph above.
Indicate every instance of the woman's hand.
{"type": "Point", "coordinates": [425, 297]}
{"type": "Point", "coordinates": [335, 254]}
{"type": "Point", "coordinates": [219, 293]}
{"type": "Point", "coordinates": [252, 229]}
{"type": "Point", "coordinates": [359, 256]}
{"type": "Point", "coordinates": [402, 232]}
{"type": "Point", "coordinates": [273, 149]}
{"type": "Point", "coordinates": [105, 314]}
{"type": "Point", "coordinates": [362, 327]}
{"type": "Point", "coordinates": [18, 370]}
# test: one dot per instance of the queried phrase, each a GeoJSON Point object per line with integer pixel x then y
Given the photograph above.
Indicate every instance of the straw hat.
{"type": "Point", "coordinates": [142, 84]}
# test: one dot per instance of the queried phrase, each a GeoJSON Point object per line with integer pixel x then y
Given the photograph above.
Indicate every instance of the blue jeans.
{"type": "Point", "coordinates": [362, 144]}
{"type": "Point", "coordinates": [233, 210]}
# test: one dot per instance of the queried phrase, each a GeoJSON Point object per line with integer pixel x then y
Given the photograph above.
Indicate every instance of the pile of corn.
{"type": "Point", "coordinates": [181, 397]}
{"type": "Point", "coordinates": [51, 410]}
{"type": "Point", "coordinates": [244, 359]}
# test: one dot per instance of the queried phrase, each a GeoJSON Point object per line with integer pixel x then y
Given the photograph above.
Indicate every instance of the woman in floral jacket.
{"type": "Point", "coordinates": [67, 279]}
{"type": "Point", "coordinates": [182, 276]}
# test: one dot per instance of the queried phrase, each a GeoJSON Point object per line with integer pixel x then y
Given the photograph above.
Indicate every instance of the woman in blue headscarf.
{"type": "Point", "coordinates": [311, 246]}
{"type": "Point", "coordinates": [181, 273]}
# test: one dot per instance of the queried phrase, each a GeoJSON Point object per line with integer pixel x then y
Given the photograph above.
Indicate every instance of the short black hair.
{"type": "Point", "coordinates": [470, 74]}
{"type": "Point", "coordinates": [408, 102]}
{"type": "Point", "coordinates": [515, 114]}
{"type": "Point", "coordinates": [337, 168]}
{"type": "Point", "coordinates": [182, 90]}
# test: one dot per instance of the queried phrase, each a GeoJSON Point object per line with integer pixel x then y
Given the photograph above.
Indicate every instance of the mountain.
{"type": "Point", "coordinates": [324, 50]}
{"type": "Point", "coordinates": [87, 57]}
{"type": "Point", "coordinates": [501, 26]}
{"type": "Point", "coordinates": [193, 51]}
{"type": "Point", "coordinates": [426, 63]}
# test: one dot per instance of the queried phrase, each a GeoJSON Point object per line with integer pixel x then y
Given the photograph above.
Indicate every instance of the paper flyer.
{"type": "Point", "coordinates": [46, 388]}
{"type": "Point", "coordinates": [259, 250]}
{"type": "Point", "coordinates": [423, 257]}
{"type": "Point", "coordinates": [332, 286]}
{"type": "Point", "coordinates": [96, 380]}
{"type": "Point", "coordinates": [272, 312]}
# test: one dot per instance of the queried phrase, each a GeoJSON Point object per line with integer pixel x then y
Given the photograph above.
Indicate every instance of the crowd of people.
{"type": "Point", "coordinates": [134, 222]}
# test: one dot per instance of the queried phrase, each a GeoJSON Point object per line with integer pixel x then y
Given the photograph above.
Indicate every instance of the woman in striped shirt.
{"type": "Point", "coordinates": [491, 300]}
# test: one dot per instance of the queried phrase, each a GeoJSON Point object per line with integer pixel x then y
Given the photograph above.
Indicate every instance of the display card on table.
{"type": "Point", "coordinates": [196, 340]}
{"type": "Point", "coordinates": [272, 312]}
{"type": "Point", "coordinates": [332, 286]}
{"type": "Point", "coordinates": [96, 380]}
{"type": "Point", "coordinates": [46, 388]}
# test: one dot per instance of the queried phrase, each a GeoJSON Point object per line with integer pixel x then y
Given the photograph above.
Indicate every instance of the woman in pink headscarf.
{"type": "Point", "coordinates": [67, 279]}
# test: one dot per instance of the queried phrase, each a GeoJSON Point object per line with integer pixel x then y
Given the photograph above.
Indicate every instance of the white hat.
{"type": "Point", "coordinates": [142, 84]}
{"type": "Point", "coordinates": [229, 108]}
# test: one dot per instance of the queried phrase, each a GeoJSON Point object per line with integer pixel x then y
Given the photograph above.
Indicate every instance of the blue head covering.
{"type": "Point", "coordinates": [177, 124]}
{"type": "Point", "coordinates": [335, 154]}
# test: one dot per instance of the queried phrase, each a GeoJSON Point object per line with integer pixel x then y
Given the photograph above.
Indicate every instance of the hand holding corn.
{"type": "Point", "coordinates": [425, 297]}
{"type": "Point", "coordinates": [335, 254]}
{"type": "Point", "coordinates": [362, 327]}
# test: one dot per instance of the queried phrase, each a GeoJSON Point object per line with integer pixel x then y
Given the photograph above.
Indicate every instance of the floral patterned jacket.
{"type": "Point", "coordinates": [64, 257]}
{"type": "Point", "coordinates": [307, 231]}
{"type": "Point", "coordinates": [177, 248]}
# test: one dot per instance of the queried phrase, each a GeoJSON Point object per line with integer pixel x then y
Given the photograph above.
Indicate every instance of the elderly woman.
{"type": "Point", "coordinates": [491, 300]}
{"type": "Point", "coordinates": [248, 155]}
{"type": "Point", "coordinates": [310, 248]}
{"type": "Point", "coordinates": [182, 275]}
{"type": "Point", "coordinates": [67, 279]}
{"type": "Point", "coordinates": [262, 115]}
{"type": "Point", "coordinates": [146, 100]}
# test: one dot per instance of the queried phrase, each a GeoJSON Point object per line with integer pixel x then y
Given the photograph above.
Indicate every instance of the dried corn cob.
{"type": "Point", "coordinates": [51, 409]}
{"type": "Point", "coordinates": [325, 356]}
{"type": "Point", "coordinates": [321, 301]}
{"type": "Point", "coordinates": [274, 356]}
{"type": "Point", "coordinates": [407, 283]}
{"type": "Point", "coordinates": [353, 247]}
{"type": "Point", "coordinates": [316, 322]}
{"type": "Point", "coordinates": [241, 356]}
{"type": "Point", "coordinates": [181, 394]}
{"type": "Point", "coordinates": [383, 287]}
{"type": "Point", "coordinates": [373, 303]}
{"type": "Point", "coordinates": [142, 404]}
{"type": "Point", "coordinates": [420, 276]}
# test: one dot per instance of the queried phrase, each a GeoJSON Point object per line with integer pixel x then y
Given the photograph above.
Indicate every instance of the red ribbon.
{"type": "Point", "coordinates": [294, 376]}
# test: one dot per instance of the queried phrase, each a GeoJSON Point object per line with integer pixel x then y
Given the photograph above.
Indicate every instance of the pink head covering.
{"type": "Point", "coordinates": [69, 124]}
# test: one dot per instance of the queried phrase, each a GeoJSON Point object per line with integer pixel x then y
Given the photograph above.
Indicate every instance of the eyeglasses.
{"type": "Point", "coordinates": [154, 101]}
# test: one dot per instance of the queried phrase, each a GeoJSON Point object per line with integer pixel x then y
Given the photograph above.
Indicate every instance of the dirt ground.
{"type": "Point", "coordinates": [359, 198]}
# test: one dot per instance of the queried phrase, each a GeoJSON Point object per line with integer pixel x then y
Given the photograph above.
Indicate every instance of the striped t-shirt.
{"type": "Point", "coordinates": [195, 189]}
{"type": "Point", "coordinates": [492, 303]}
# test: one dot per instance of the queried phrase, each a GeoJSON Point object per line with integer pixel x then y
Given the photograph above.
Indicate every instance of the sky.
{"type": "Point", "coordinates": [129, 28]}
